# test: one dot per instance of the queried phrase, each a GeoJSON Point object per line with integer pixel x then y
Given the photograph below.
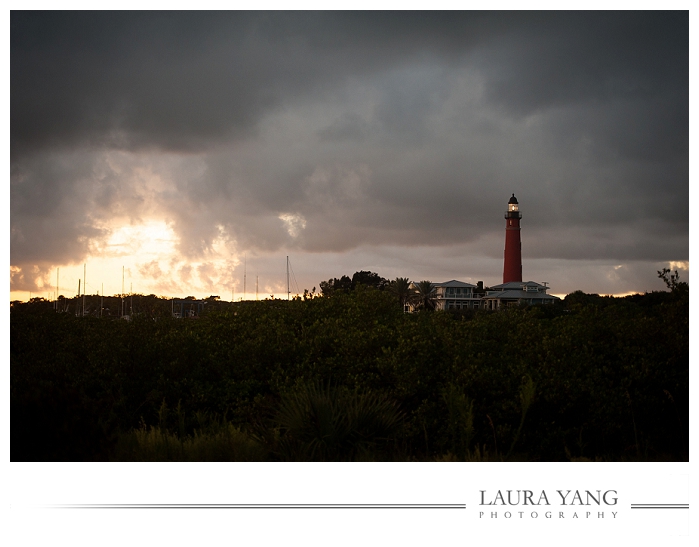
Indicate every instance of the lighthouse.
{"type": "Point", "coordinates": [513, 244]}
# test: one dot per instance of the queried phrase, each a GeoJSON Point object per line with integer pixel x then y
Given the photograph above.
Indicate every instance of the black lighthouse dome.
{"type": "Point", "coordinates": [513, 199]}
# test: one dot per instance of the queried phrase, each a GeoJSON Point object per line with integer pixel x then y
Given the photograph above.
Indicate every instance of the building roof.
{"type": "Point", "coordinates": [453, 283]}
{"type": "Point", "coordinates": [519, 295]}
{"type": "Point", "coordinates": [513, 199]}
{"type": "Point", "coordinates": [518, 285]}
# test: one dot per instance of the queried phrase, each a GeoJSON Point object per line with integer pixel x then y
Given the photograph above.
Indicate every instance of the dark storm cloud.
{"type": "Point", "coordinates": [348, 126]}
{"type": "Point", "coordinates": [328, 131]}
{"type": "Point", "coordinates": [128, 80]}
{"type": "Point", "coordinates": [49, 222]}
{"type": "Point", "coordinates": [182, 80]}
{"type": "Point", "coordinates": [560, 59]}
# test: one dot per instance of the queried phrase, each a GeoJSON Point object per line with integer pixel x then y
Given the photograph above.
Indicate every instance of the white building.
{"type": "Point", "coordinates": [515, 293]}
{"type": "Point", "coordinates": [451, 295]}
{"type": "Point", "coordinates": [459, 295]}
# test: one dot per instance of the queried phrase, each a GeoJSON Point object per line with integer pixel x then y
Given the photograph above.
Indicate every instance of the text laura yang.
{"type": "Point", "coordinates": [558, 497]}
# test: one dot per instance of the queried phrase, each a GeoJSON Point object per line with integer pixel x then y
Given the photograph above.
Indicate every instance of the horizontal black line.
{"type": "Point", "coordinates": [660, 507]}
{"type": "Point", "coordinates": [264, 504]}
{"type": "Point", "coordinates": [241, 508]}
{"type": "Point", "coordinates": [259, 506]}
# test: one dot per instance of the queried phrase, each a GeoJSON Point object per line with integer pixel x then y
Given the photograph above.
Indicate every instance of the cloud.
{"type": "Point", "coordinates": [334, 132]}
{"type": "Point", "coordinates": [348, 127]}
{"type": "Point", "coordinates": [294, 223]}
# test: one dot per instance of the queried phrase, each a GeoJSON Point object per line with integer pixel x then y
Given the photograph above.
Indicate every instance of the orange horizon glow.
{"type": "Point", "coordinates": [144, 259]}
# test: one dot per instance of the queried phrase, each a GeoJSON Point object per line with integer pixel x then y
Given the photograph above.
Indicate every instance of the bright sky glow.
{"type": "Point", "coordinates": [152, 265]}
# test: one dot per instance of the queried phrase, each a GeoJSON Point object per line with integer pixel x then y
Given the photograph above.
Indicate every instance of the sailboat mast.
{"type": "Point", "coordinates": [288, 290]}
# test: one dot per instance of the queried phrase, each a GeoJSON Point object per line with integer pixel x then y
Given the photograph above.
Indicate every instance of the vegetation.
{"type": "Point", "coordinates": [317, 423]}
{"type": "Point", "coordinates": [345, 284]}
{"type": "Point", "coordinates": [400, 287]}
{"type": "Point", "coordinates": [424, 296]}
{"type": "Point", "coordinates": [349, 376]}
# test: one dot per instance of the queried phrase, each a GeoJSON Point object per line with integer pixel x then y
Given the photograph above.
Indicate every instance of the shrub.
{"type": "Point", "coordinates": [319, 423]}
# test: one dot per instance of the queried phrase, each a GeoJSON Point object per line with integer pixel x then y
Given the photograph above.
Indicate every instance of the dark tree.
{"type": "Point", "coordinates": [344, 284]}
{"type": "Point", "coordinates": [423, 297]}
{"type": "Point", "coordinates": [672, 280]}
{"type": "Point", "coordinates": [401, 288]}
{"type": "Point", "coordinates": [370, 279]}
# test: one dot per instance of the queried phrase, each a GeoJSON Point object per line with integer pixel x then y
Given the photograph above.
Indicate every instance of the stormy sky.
{"type": "Point", "coordinates": [192, 149]}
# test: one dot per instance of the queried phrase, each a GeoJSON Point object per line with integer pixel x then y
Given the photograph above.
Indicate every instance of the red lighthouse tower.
{"type": "Point", "coordinates": [513, 243]}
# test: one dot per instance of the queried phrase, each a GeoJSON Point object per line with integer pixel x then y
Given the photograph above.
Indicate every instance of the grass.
{"type": "Point", "coordinates": [216, 440]}
{"type": "Point", "coordinates": [156, 444]}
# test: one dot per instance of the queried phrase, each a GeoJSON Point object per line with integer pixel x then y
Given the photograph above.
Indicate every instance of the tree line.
{"type": "Point", "coordinates": [348, 375]}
